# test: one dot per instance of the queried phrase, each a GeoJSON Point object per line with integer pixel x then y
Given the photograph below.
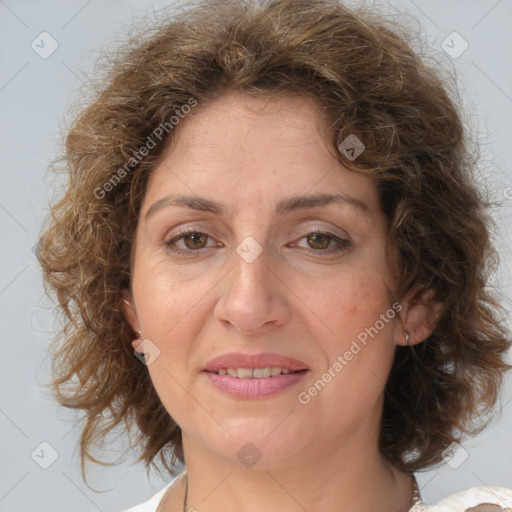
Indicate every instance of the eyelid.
{"type": "Point", "coordinates": [191, 227]}
{"type": "Point", "coordinates": [300, 228]}
{"type": "Point", "coordinates": [327, 229]}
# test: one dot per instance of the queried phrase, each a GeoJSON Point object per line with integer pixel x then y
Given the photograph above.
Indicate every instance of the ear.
{"type": "Point", "coordinates": [419, 315]}
{"type": "Point", "coordinates": [131, 317]}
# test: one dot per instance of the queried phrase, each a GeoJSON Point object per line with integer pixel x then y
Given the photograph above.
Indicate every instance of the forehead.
{"type": "Point", "coordinates": [256, 149]}
{"type": "Point", "coordinates": [238, 121]}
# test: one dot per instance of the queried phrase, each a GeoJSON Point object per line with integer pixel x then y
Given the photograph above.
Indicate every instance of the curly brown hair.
{"type": "Point", "coordinates": [360, 68]}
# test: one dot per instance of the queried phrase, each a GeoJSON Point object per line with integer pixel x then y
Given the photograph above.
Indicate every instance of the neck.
{"type": "Point", "coordinates": [329, 482]}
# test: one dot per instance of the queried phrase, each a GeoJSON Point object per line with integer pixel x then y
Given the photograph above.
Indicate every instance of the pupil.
{"type": "Point", "coordinates": [196, 239]}
{"type": "Point", "coordinates": [316, 241]}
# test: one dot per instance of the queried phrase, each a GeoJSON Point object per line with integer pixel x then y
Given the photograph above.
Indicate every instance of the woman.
{"type": "Point", "coordinates": [271, 205]}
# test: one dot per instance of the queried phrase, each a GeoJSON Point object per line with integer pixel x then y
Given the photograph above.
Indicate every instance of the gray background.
{"type": "Point", "coordinates": [35, 93]}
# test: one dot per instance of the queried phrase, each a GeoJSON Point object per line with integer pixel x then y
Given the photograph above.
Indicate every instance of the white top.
{"type": "Point", "coordinates": [152, 504]}
{"type": "Point", "coordinates": [476, 499]}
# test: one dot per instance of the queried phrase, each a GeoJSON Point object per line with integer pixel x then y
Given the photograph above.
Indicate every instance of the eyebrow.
{"type": "Point", "coordinates": [284, 206]}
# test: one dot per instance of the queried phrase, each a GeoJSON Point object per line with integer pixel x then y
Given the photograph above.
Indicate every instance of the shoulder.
{"type": "Point", "coordinates": [476, 499]}
{"type": "Point", "coordinates": [151, 505]}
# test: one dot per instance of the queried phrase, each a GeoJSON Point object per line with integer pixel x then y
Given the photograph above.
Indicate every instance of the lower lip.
{"type": "Point", "coordinates": [254, 388]}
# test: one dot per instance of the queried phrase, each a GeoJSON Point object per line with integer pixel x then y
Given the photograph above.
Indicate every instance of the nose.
{"type": "Point", "coordinates": [253, 297]}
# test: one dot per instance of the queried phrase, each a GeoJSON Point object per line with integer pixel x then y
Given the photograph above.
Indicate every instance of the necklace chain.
{"type": "Point", "coordinates": [417, 503]}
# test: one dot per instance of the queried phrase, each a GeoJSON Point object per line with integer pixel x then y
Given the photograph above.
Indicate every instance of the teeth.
{"type": "Point", "coordinates": [244, 373]}
{"type": "Point", "coordinates": [254, 373]}
{"type": "Point", "coordinates": [258, 373]}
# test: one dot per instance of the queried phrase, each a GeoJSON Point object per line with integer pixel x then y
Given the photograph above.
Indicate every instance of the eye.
{"type": "Point", "coordinates": [189, 242]}
{"type": "Point", "coordinates": [324, 243]}
{"type": "Point", "coordinates": [192, 241]}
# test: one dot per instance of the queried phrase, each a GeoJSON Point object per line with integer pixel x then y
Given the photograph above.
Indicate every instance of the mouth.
{"type": "Point", "coordinates": [254, 376]}
{"type": "Point", "coordinates": [255, 366]}
{"type": "Point", "coordinates": [256, 373]}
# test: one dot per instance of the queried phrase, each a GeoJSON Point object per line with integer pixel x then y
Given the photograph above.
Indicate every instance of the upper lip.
{"type": "Point", "coordinates": [263, 360]}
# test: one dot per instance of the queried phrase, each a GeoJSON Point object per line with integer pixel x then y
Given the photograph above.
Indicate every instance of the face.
{"type": "Point", "coordinates": [253, 238]}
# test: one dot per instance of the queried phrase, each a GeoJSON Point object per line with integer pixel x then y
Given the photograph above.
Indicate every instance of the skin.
{"type": "Point", "coordinates": [248, 153]}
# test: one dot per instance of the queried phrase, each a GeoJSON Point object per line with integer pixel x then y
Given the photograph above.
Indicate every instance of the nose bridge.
{"type": "Point", "coordinates": [250, 273]}
{"type": "Point", "coordinates": [250, 298]}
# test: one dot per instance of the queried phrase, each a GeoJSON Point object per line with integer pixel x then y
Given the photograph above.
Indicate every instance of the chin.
{"type": "Point", "coordinates": [264, 447]}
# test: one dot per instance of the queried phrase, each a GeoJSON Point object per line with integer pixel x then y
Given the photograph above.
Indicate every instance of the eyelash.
{"type": "Point", "coordinates": [343, 244]}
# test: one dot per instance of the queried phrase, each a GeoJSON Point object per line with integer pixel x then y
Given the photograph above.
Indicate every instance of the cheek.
{"type": "Point", "coordinates": [164, 298]}
{"type": "Point", "coordinates": [357, 345]}
{"type": "Point", "coordinates": [348, 302]}
{"type": "Point", "coordinates": [350, 308]}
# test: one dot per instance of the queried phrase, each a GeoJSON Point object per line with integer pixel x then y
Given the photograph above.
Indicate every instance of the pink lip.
{"type": "Point", "coordinates": [254, 388]}
{"type": "Point", "coordinates": [263, 360]}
